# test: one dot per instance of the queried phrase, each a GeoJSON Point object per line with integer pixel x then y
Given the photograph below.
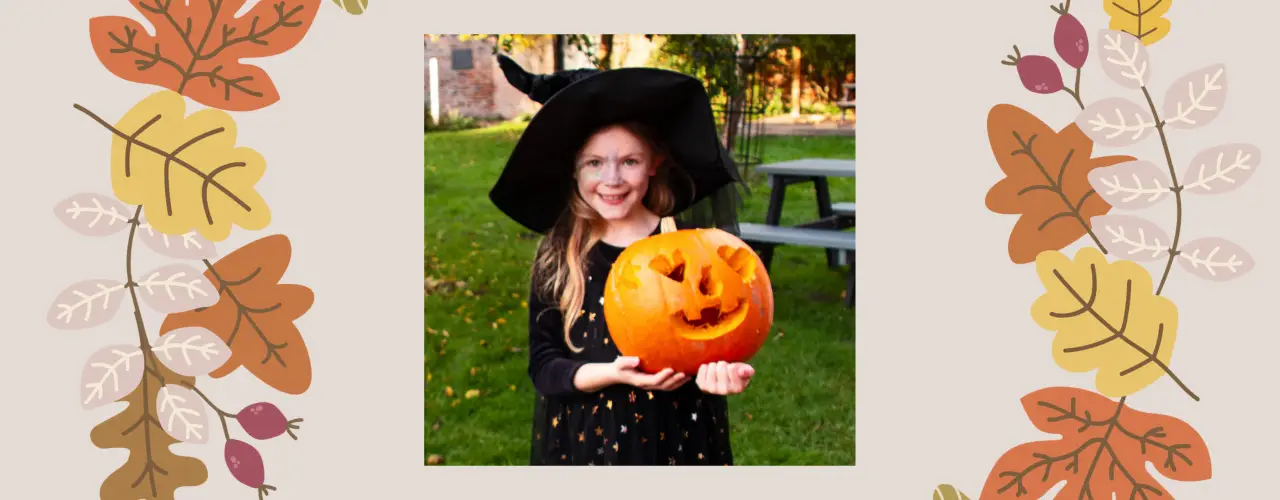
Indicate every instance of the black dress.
{"type": "Point", "coordinates": [621, 424]}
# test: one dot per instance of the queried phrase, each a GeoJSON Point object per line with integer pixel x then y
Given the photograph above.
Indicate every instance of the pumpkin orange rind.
{"type": "Point", "coordinates": [686, 298]}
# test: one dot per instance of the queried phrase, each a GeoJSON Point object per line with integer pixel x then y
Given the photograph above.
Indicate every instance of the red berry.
{"type": "Point", "coordinates": [245, 465]}
{"type": "Point", "coordinates": [244, 462]}
{"type": "Point", "coordinates": [265, 421]}
{"type": "Point", "coordinates": [1071, 41]}
{"type": "Point", "coordinates": [1039, 74]}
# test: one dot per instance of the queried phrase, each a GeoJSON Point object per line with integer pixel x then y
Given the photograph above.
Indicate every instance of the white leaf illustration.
{"type": "Point", "coordinates": [1197, 98]}
{"type": "Point", "coordinates": [189, 246]}
{"type": "Point", "coordinates": [1221, 168]}
{"type": "Point", "coordinates": [1124, 58]}
{"type": "Point", "coordinates": [1131, 185]}
{"type": "Point", "coordinates": [1215, 259]}
{"type": "Point", "coordinates": [182, 414]}
{"type": "Point", "coordinates": [176, 288]}
{"type": "Point", "coordinates": [86, 304]}
{"type": "Point", "coordinates": [192, 351]}
{"type": "Point", "coordinates": [1132, 238]}
{"type": "Point", "coordinates": [1116, 121]}
{"type": "Point", "coordinates": [110, 374]}
{"type": "Point", "coordinates": [93, 214]}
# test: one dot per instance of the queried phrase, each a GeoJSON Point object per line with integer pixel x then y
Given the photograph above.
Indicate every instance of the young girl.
{"type": "Point", "coordinates": [595, 184]}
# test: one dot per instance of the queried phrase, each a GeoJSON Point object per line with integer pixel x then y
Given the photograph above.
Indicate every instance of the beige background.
{"type": "Point", "coordinates": [946, 341]}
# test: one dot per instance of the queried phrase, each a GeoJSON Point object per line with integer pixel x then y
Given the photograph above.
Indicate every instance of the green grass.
{"type": "Point", "coordinates": [799, 409]}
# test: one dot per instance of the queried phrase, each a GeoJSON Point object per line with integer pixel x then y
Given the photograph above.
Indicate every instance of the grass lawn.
{"type": "Point", "coordinates": [799, 409]}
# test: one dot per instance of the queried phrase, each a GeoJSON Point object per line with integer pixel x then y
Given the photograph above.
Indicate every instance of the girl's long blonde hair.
{"type": "Point", "coordinates": [560, 265]}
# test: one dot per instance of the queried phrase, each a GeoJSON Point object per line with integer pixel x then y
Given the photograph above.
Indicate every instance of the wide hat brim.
{"type": "Point", "coordinates": [537, 181]}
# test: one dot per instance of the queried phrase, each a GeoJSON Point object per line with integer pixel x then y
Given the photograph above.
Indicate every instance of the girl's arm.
{"type": "Point", "coordinates": [550, 368]}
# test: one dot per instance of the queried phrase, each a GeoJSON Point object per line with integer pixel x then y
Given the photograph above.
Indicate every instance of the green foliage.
{"type": "Point", "coordinates": [452, 121]}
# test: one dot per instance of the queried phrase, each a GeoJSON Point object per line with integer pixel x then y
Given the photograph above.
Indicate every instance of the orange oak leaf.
{"type": "Point", "coordinates": [197, 47]}
{"type": "Point", "coordinates": [1104, 450]}
{"type": "Point", "coordinates": [1046, 182]}
{"type": "Point", "coordinates": [255, 314]}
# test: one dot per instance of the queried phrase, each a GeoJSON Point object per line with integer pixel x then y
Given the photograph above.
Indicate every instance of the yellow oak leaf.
{"type": "Point", "coordinates": [1107, 319]}
{"type": "Point", "coordinates": [186, 171]}
{"type": "Point", "coordinates": [1144, 20]}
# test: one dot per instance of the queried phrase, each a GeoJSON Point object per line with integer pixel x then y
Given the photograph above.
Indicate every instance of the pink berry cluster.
{"type": "Point", "coordinates": [1040, 74]}
{"type": "Point", "coordinates": [261, 421]}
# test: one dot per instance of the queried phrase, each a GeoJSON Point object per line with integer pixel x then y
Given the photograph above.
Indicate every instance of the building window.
{"type": "Point", "coordinates": [461, 59]}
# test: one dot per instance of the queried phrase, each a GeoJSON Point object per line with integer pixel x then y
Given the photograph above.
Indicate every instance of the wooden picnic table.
{"type": "Point", "coordinates": [825, 232]}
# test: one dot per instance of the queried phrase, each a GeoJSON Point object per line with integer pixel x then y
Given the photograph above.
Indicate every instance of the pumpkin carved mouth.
{"type": "Point", "coordinates": [715, 316]}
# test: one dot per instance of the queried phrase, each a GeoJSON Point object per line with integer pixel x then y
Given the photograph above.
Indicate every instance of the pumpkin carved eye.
{"type": "Point", "coordinates": [672, 268]}
{"type": "Point", "coordinates": [740, 260]}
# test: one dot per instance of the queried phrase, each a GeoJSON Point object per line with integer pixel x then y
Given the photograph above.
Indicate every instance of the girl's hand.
{"type": "Point", "coordinates": [665, 380]}
{"type": "Point", "coordinates": [724, 378]}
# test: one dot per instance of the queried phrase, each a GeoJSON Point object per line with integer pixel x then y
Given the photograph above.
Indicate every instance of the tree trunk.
{"type": "Point", "coordinates": [558, 52]}
{"type": "Point", "coordinates": [736, 99]}
{"type": "Point", "coordinates": [606, 51]}
{"type": "Point", "coordinates": [797, 77]}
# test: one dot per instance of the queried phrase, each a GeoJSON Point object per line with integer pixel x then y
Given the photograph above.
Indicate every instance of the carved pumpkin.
{"type": "Point", "coordinates": [685, 298]}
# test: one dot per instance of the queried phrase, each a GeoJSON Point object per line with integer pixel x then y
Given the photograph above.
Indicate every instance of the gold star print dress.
{"type": "Point", "coordinates": [621, 424]}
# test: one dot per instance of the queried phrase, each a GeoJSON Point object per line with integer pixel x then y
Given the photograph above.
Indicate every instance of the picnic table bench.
{"type": "Point", "coordinates": [826, 232]}
{"type": "Point", "coordinates": [847, 102]}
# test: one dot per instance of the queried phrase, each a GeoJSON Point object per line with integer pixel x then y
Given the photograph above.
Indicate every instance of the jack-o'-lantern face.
{"type": "Point", "coordinates": [688, 297]}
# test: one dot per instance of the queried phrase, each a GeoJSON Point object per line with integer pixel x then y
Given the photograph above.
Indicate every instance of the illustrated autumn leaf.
{"type": "Point", "coordinates": [1107, 319]}
{"type": "Point", "coordinates": [1104, 450]}
{"type": "Point", "coordinates": [255, 315]}
{"type": "Point", "coordinates": [948, 492]}
{"type": "Point", "coordinates": [185, 170]}
{"type": "Point", "coordinates": [1046, 181]}
{"type": "Point", "coordinates": [1144, 20]}
{"type": "Point", "coordinates": [198, 47]}
{"type": "Point", "coordinates": [152, 470]}
{"type": "Point", "coordinates": [355, 7]}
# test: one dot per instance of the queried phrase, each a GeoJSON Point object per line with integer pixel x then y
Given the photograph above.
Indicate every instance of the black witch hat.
{"type": "Point", "coordinates": [536, 183]}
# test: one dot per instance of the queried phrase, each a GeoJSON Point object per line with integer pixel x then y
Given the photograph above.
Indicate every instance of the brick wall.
{"type": "Point", "coordinates": [468, 92]}
{"type": "Point", "coordinates": [483, 91]}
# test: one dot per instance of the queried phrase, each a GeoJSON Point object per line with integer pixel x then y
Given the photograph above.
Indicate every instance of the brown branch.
{"type": "Point", "coordinates": [146, 420]}
{"type": "Point", "coordinates": [243, 311]}
{"type": "Point", "coordinates": [1176, 188]}
{"type": "Point", "coordinates": [1116, 333]}
{"type": "Point", "coordinates": [171, 157]}
{"type": "Point", "coordinates": [1055, 185]}
{"type": "Point", "coordinates": [222, 415]}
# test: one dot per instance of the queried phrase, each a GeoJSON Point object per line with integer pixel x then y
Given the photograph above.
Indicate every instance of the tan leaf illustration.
{"type": "Point", "coordinates": [152, 470]}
